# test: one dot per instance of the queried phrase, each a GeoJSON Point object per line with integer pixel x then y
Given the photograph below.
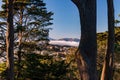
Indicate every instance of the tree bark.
{"type": "Point", "coordinates": [87, 50]}
{"type": "Point", "coordinates": [107, 71]}
{"type": "Point", "coordinates": [10, 41]}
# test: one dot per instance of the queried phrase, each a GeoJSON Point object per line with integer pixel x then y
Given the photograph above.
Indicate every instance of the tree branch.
{"type": "Point", "coordinates": [79, 3]}
{"type": "Point", "coordinates": [76, 2]}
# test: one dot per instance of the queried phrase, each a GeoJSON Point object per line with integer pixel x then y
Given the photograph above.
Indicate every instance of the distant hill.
{"type": "Point", "coordinates": [65, 42]}
{"type": "Point", "coordinates": [51, 38]}
{"type": "Point", "coordinates": [101, 39]}
{"type": "Point", "coordinates": [102, 36]}
{"type": "Point", "coordinates": [70, 39]}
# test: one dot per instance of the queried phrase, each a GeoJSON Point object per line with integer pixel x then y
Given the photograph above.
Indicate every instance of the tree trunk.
{"type": "Point", "coordinates": [10, 41]}
{"type": "Point", "coordinates": [107, 71]}
{"type": "Point", "coordinates": [87, 50]}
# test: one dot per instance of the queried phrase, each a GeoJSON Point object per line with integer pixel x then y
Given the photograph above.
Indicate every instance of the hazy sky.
{"type": "Point", "coordinates": [66, 17]}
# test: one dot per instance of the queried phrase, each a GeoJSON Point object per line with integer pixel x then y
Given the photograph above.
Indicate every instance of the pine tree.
{"type": "Point", "coordinates": [31, 19]}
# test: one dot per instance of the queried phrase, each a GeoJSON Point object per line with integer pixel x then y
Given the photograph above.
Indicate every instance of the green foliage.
{"type": "Point", "coordinates": [117, 74]}
{"type": "Point", "coordinates": [2, 70]}
{"type": "Point", "coordinates": [31, 18]}
{"type": "Point", "coordinates": [43, 67]}
{"type": "Point", "coordinates": [102, 38]}
{"type": "Point", "coordinates": [2, 67]}
{"type": "Point", "coordinates": [102, 41]}
{"type": "Point", "coordinates": [31, 23]}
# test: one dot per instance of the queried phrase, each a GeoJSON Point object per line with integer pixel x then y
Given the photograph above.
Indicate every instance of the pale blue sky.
{"type": "Point", "coordinates": [66, 17]}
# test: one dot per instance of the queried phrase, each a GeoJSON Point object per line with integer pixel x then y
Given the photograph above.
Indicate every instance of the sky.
{"type": "Point", "coordinates": [66, 21]}
{"type": "Point", "coordinates": [66, 17]}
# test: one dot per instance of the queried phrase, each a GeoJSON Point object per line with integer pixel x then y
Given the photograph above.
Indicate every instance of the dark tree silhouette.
{"type": "Point", "coordinates": [107, 72]}
{"type": "Point", "coordinates": [10, 41]}
{"type": "Point", "coordinates": [87, 50]}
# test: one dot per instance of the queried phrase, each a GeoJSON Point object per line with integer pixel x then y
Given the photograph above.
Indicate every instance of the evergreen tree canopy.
{"type": "Point", "coordinates": [31, 18]}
